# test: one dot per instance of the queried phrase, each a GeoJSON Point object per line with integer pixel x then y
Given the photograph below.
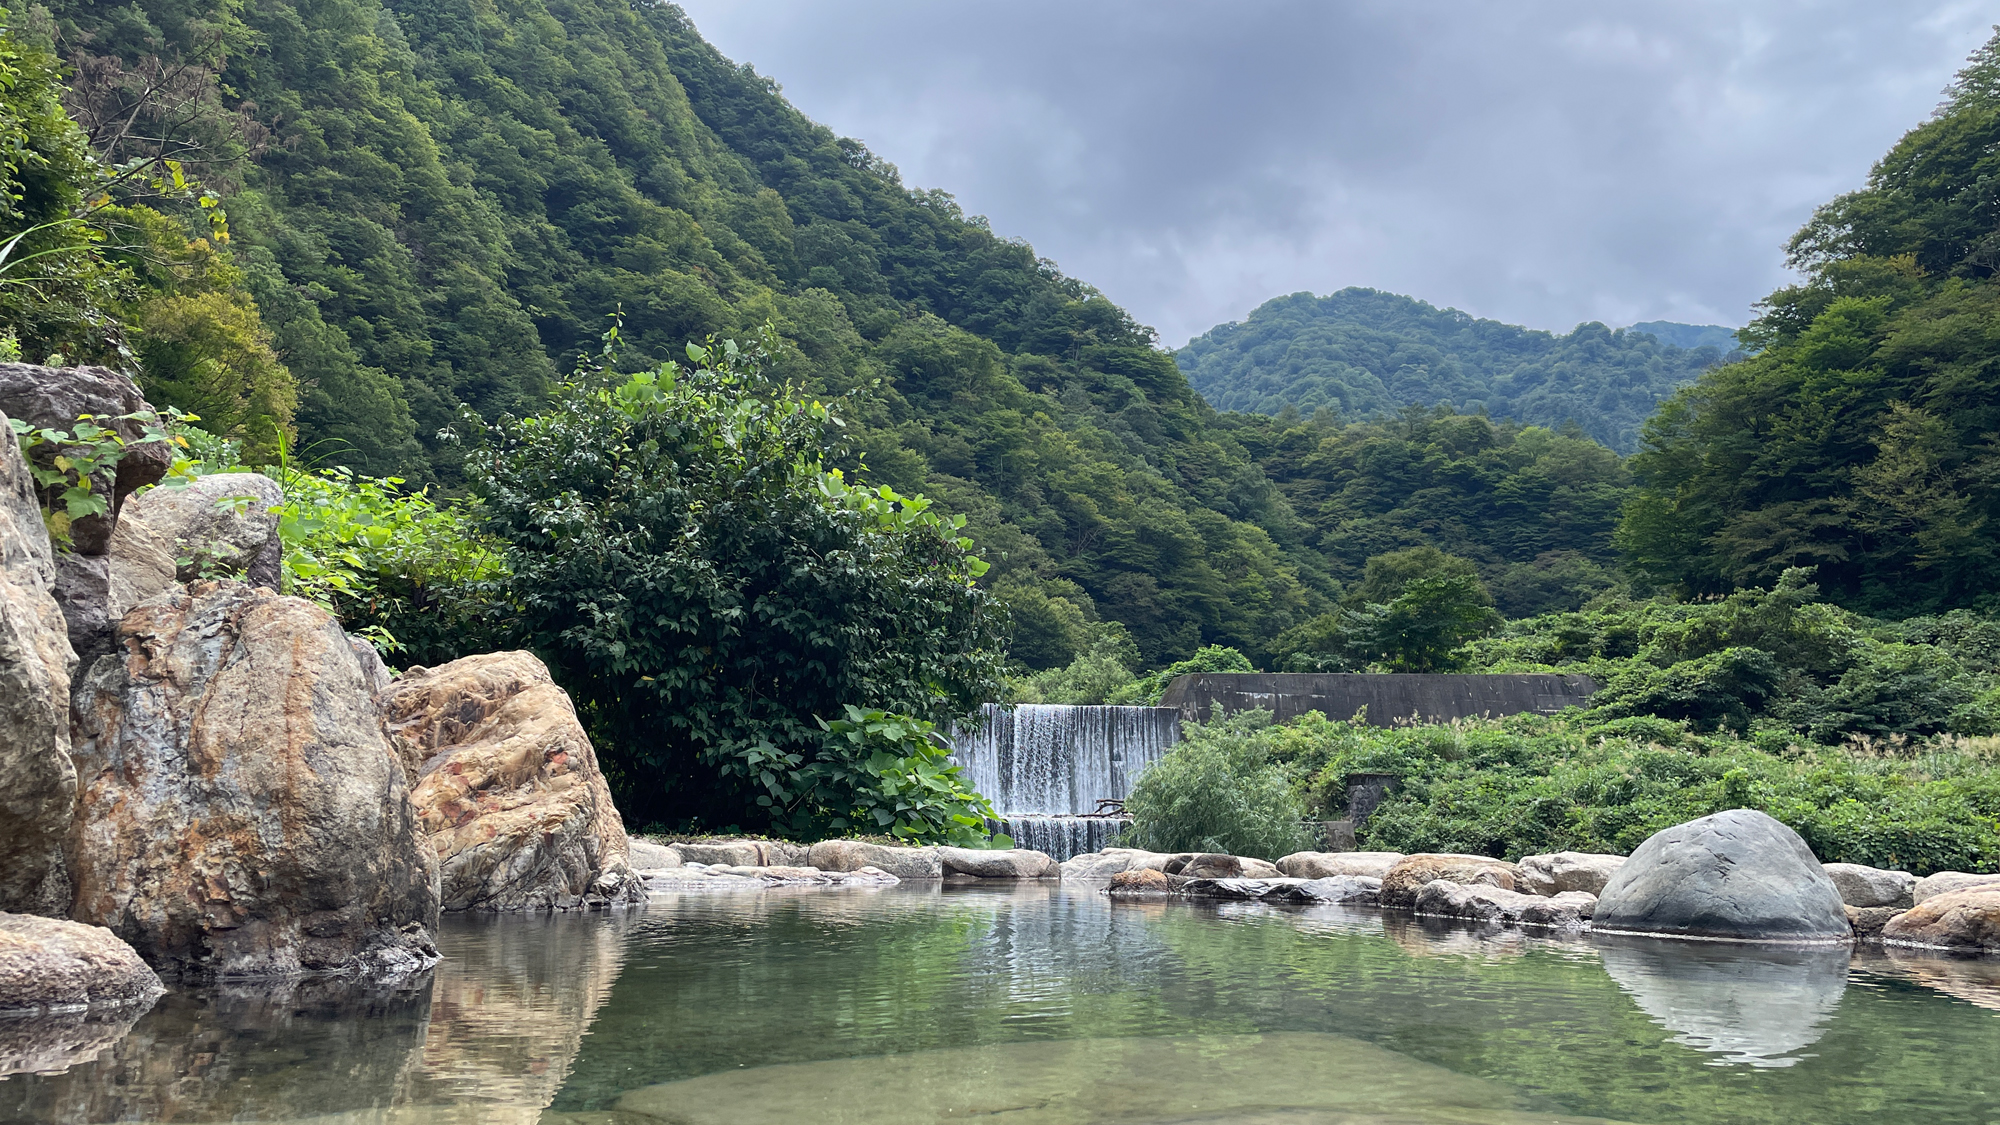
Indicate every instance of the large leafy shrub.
{"type": "Point", "coordinates": [1218, 791]}
{"type": "Point", "coordinates": [708, 591]}
{"type": "Point", "coordinates": [892, 773]}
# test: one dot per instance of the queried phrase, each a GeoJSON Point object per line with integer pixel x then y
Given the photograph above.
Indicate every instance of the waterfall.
{"type": "Point", "coordinates": [1046, 766]}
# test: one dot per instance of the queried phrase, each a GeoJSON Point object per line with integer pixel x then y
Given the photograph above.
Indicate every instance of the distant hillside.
{"type": "Point", "coordinates": [1689, 335]}
{"type": "Point", "coordinates": [1365, 352]}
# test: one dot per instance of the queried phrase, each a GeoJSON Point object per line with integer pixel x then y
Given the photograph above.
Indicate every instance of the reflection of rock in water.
{"type": "Point", "coordinates": [264, 1052]}
{"type": "Point", "coordinates": [494, 1028]}
{"type": "Point", "coordinates": [1975, 980]}
{"type": "Point", "coordinates": [1749, 1005]}
{"type": "Point", "coordinates": [50, 1043]}
{"type": "Point", "coordinates": [515, 995]}
{"type": "Point", "coordinates": [1293, 1077]}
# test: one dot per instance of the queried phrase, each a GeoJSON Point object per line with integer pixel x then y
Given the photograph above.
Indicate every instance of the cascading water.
{"type": "Point", "coordinates": [1045, 767]}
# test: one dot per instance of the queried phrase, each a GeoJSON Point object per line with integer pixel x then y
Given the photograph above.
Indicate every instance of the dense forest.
{"type": "Point", "coordinates": [1361, 352]}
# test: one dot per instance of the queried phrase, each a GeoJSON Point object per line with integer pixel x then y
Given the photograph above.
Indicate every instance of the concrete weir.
{"type": "Point", "coordinates": [1388, 698]}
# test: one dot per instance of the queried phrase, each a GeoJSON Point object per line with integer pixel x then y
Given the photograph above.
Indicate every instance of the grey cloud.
{"type": "Point", "coordinates": [1539, 163]}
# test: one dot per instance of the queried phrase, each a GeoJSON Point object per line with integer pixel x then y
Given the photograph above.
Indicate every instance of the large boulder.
{"type": "Point", "coordinates": [1327, 865]}
{"type": "Point", "coordinates": [239, 812]}
{"type": "Point", "coordinates": [1002, 863]}
{"type": "Point", "coordinates": [916, 864]}
{"type": "Point", "coordinates": [1964, 921]}
{"type": "Point", "coordinates": [1945, 882]}
{"type": "Point", "coordinates": [218, 526]}
{"type": "Point", "coordinates": [1480, 902]}
{"type": "Point", "coordinates": [1738, 875]}
{"type": "Point", "coordinates": [1411, 874]}
{"type": "Point", "coordinates": [1557, 872]}
{"type": "Point", "coordinates": [1869, 887]}
{"type": "Point", "coordinates": [37, 780]}
{"type": "Point", "coordinates": [97, 591]}
{"type": "Point", "coordinates": [53, 398]}
{"type": "Point", "coordinates": [49, 963]}
{"type": "Point", "coordinates": [507, 787]}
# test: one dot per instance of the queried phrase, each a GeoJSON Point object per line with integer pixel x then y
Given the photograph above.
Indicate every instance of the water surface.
{"type": "Point", "coordinates": [1049, 1004]}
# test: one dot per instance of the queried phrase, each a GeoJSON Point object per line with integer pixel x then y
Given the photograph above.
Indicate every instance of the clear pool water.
{"type": "Point", "coordinates": [1049, 1004]}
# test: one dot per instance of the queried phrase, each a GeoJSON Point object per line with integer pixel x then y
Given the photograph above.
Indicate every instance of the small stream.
{"type": "Point", "coordinates": [1049, 1003]}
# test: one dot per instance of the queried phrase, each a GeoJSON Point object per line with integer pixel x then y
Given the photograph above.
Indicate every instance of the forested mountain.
{"type": "Point", "coordinates": [1861, 439]}
{"type": "Point", "coordinates": [1688, 335]}
{"type": "Point", "coordinates": [437, 204]}
{"type": "Point", "coordinates": [1364, 352]}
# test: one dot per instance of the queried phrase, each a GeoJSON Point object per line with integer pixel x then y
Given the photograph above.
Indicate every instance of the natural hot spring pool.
{"type": "Point", "coordinates": [1053, 1005]}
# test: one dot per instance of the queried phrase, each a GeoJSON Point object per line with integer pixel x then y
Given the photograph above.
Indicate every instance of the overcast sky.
{"type": "Point", "coordinates": [1539, 163]}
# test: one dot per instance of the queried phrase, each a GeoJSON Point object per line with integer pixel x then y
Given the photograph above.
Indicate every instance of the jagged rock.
{"type": "Point", "coordinates": [644, 855]}
{"type": "Point", "coordinates": [97, 591]}
{"type": "Point", "coordinates": [1349, 890]}
{"type": "Point", "coordinates": [1480, 902]}
{"type": "Point", "coordinates": [221, 525]}
{"type": "Point", "coordinates": [239, 811]}
{"type": "Point", "coordinates": [1945, 882]}
{"type": "Point", "coordinates": [1098, 866]}
{"type": "Point", "coordinates": [507, 787]}
{"type": "Point", "coordinates": [37, 780]}
{"type": "Point", "coordinates": [1737, 875]}
{"type": "Point", "coordinates": [1869, 920]}
{"type": "Point", "coordinates": [1140, 882]}
{"type": "Point", "coordinates": [1966, 921]}
{"type": "Point", "coordinates": [49, 963]}
{"type": "Point", "coordinates": [1409, 875]}
{"type": "Point", "coordinates": [1206, 865]}
{"type": "Point", "coordinates": [1872, 886]}
{"type": "Point", "coordinates": [745, 853]}
{"type": "Point", "coordinates": [1009, 863]}
{"type": "Point", "coordinates": [852, 855]}
{"type": "Point", "coordinates": [1556, 872]}
{"type": "Point", "coordinates": [1326, 865]}
{"type": "Point", "coordinates": [53, 398]}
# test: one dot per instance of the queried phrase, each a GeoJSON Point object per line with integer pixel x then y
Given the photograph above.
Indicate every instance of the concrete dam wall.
{"type": "Point", "coordinates": [1388, 698]}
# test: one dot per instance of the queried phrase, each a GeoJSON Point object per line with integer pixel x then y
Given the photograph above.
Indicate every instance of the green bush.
{"type": "Point", "coordinates": [1147, 689]}
{"type": "Point", "coordinates": [884, 773]}
{"type": "Point", "coordinates": [1217, 791]}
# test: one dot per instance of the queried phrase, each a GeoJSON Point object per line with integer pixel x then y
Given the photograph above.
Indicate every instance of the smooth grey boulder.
{"type": "Point", "coordinates": [999, 863]}
{"type": "Point", "coordinates": [853, 855]}
{"type": "Point", "coordinates": [1867, 887]}
{"type": "Point", "coordinates": [37, 778]}
{"type": "Point", "coordinates": [220, 526]}
{"type": "Point", "coordinates": [645, 855]}
{"type": "Point", "coordinates": [49, 963]}
{"type": "Point", "coordinates": [1556, 872]}
{"type": "Point", "coordinates": [1945, 882]}
{"type": "Point", "coordinates": [1735, 876]}
{"type": "Point", "coordinates": [1326, 865]}
{"type": "Point", "coordinates": [1348, 890]}
{"type": "Point", "coordinates": [53, 398]}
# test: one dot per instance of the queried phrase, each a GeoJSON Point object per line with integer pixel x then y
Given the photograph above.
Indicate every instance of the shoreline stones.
{"type": "Point", "coordinates": [1872, 887]}
{"type": "Point", "coordinates": [1480, 902]}
{"type": "Point", "coordinates": [1733, 876]}
{"type": "Point", "coordinates": [1403, 881]}
{"type": "Point", "coordinates": [702, 876]}
{"type": "Point", "coordinates": [1945, 882]}
{"type": "Point", "coordinates": [1556, 872]}
{"type": "Point", "coordinates": [1326, 865]}
{"type": "Point", "coordinates": [1965, 921]}
{"type": "Point", "coordinates": [999, 863]}
{"type": "Point", "coordinates": [853, 855]}
{"type": "Point", "coordinates": [507, 787]}
{"type": "Point", "coordinates": [52, 965]}
{"type": "Point", "coordinates": [239, 812]}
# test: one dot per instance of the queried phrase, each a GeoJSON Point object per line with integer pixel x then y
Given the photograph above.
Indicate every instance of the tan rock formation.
{"type": "Point", "coordinates": [507, 786]}
{"type": "Point", "coordinates": [1964, 921]}
{"type": "Point", "coordinates": [1402, 882]}
{"type": "Point", "coordinates": [239, 812]}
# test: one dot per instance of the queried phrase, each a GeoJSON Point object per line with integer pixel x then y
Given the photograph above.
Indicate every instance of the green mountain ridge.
{"type": "Point", "coordinates": [1363, 352]}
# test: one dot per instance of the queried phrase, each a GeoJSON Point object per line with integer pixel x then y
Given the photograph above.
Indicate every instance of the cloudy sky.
{"type": "Point", "coordinates": [1540, 163]}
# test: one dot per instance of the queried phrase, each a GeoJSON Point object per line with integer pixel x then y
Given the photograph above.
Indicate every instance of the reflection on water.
{"type": "Point", "coordinates": [1055, 1004]}
{"type": "Point", "coordinates": [1748, 1004]}
{"type": "Point", "coordinates": [52, 1042]}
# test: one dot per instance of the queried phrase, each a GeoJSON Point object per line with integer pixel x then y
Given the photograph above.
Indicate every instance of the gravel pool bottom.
{"type": "Point", "coordinates": [1051, 1004]}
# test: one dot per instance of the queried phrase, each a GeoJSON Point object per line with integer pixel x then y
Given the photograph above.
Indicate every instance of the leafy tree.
{"type": "Point", "coordinates": [1218, 791]}
{"type": "Point", "coordinates": [708, 591]}
{"type": "Point", "coordinates": [1857, 440]}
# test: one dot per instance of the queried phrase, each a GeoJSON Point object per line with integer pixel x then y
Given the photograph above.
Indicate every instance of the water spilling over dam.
{"type": "Point", "coordinates": [1046, 767]}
